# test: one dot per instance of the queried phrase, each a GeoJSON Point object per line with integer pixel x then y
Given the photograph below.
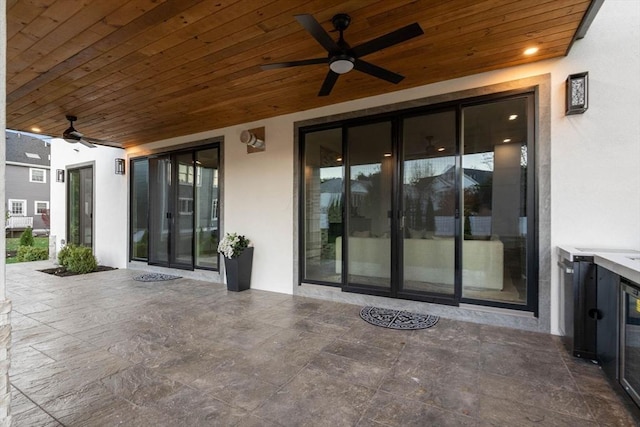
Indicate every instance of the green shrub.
{"type": "Point", "coordinates": [64, 254]}
{"type": "Point", "coordinates": [30, 253]}
{"type": "Point", "coordinates": [81, 260]}
{"type": "Point", "coordinates": [26, 238]}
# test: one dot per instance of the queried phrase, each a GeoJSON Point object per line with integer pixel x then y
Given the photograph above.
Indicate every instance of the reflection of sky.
{"type": "Point", "coordinates": [418, 168]}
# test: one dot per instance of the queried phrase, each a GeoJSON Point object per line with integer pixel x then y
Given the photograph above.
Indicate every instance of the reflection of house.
{"type": "Point", "coordinates": [27, 180]}
{"type": "Point", "coordinates": [441, 187]}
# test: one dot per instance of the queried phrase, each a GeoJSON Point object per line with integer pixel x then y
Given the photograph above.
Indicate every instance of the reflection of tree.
{"type": "Point", "coordinates": [372, 198]}
{"type": "Point", "coordinates": [430, 224]}
{"type": "Point", "coordinates": [477, 198]}
{"type": "Point", "coordinates": [334, 211]}
{"type": "Point", "coordinates": [447, 205]}
{"type": "Point", "coordinates": [419, 169]}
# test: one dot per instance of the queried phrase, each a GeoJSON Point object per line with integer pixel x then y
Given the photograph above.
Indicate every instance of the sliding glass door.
{"type": "Point", "coordinates": [80, 207]}
{"type": "Point", "coordinates": [496, 162]}
{"type": "Point", "coordinates": [160, 210]}
{"type": "Point", "coordinates": [207, 208]}
{"type": "Point", "coordinates": [369, 206]}
{"type": "Point", "coordinates": [434, 204]}
{"type": "Point", "coordinates": [181, 209]}
{"type": "Point", "coordinates": [428, 193]}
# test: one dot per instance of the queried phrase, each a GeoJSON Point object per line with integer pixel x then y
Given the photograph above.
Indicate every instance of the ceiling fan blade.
{"type": "Point", "coordinates": [86, 143]}
{"type": "Point", "coordinates": [101, 142]}
{"type": "Point", "coordinates": [375, 71]}
{"type": "Point", "coordinates": [294, 63]}
{"type": "Point", "coordinates": [328, 83]}
{"type": "Point", "coordinates": [390, 39]}
{"type": "Point", "coordinates": [314, 28]}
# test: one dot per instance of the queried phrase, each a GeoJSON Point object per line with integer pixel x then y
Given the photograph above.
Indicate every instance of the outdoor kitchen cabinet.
{"type": "Point", "coordinates": [607, 326]}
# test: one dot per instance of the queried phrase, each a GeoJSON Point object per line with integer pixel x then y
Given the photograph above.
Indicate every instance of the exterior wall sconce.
{"type": "Point", "coordinates": [119, 166]}
{"type": "Point", "coordinates": [254, 139]}
{"type": "Point", "coordinates": [59, 175]}
{"type": "Point", "coordinates": [577, 93]}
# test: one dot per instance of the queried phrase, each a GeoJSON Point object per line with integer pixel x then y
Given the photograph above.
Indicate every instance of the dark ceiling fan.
{"type": "Point", "coordinates": [73, 136]}
{"type": "Point", "coordinates": [343, 58]}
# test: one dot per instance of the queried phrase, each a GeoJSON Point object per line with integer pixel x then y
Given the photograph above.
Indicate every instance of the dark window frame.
{"type": "Point", "coordinates": [531, 93]}
{"type": "Point", "coordinates": [193, 149]}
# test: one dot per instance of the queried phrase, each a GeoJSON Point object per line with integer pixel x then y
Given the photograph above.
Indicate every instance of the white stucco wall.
{"type": "Point", "coordinates": [110, 213]}
{"type": "Point", "coordinates": [595, 166]}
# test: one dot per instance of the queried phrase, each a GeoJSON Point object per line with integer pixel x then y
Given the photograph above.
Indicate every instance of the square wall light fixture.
{"type": "Point", "coordinates": [119, 166]}
{"type": "Point", "coordinates": [59, 175]}
{"type": "Point", "coordinates": [577, 93]}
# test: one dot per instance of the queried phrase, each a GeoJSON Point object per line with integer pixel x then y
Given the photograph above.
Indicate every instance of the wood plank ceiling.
{"type": "Point", "coordinates": [136, 71]}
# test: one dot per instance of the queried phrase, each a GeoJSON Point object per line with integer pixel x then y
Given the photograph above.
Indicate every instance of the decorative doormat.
{"type": "Point", "coordinates": [397, 319]}
{"type": "Point", "coordinates": [155, 277]}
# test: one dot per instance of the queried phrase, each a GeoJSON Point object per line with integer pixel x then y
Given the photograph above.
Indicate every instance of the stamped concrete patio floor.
{"type": "Point", "coordinates": [103, 349]}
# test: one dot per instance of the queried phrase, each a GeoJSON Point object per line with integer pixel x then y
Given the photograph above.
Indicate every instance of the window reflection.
{"type": "Point", "coordinates": [494, 202]}
{"type": "Point", "coordinates": [323, 205]}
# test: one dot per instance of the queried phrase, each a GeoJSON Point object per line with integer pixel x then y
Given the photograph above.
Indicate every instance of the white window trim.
{"type": "Point", "coordinates": [35, 206]}
{"type": "Point", "coordinates": [10, 203]}
{"type": "Point", "coordinates": [189, 201]}
{"type": "Point", "coordinates": [44, 175]}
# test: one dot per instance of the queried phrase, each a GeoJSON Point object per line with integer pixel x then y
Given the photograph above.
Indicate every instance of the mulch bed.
{"type": "Point", "coordinates": [63, 272]}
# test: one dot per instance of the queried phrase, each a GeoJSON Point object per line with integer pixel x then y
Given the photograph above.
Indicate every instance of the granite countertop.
{"type": "Point", "coordinates": [624, 262]}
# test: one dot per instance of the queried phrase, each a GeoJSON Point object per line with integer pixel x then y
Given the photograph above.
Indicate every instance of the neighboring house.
{"type": "Point", "coordinates": [27, 182]}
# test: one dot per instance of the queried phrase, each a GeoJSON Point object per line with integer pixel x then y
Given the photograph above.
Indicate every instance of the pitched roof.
{"type": "Point", "coordinates": [23, 148]}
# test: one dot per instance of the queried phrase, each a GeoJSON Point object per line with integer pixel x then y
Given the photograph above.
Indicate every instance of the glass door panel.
{"type": "Point", "coordinates": [429, 203]}
{"type": "Point", "coordinates": [369, 205]}
{"type": "Point", "coordinates": [139, 209]}
{"type": "Point", "coordinates": [182, 223]}
{"type": "Point", "coordinates": [323, 206]}
{"type": "Point", "coordinates": [80, 208]}
{"type": "Point", "coordinates": [206, 215]}
{"type": "Point", "coordinates": [159, 209]}
{"type": "Point", "coordinates": [494, 252]}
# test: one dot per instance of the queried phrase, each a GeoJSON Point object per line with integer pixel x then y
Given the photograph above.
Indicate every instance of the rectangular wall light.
{"type": "Point", "coordinates": [119, 166]}
{"type": "Point", "coordinates": [59, 175]}
{"type": "Point", "coordinates": [577, 93]}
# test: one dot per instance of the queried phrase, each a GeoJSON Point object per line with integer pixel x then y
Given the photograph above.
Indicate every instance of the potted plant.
{"type": "Point", "coordinates": [238, 260]}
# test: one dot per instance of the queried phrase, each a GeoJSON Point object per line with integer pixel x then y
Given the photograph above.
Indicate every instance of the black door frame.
{"type": "Point", "coordinates": [173, 194]}
{"type": "Point", "coordinates": [81, 197]}
{"type": "Point", "coordinates": [396, 216]}
{"type": "Point", "coordinates": [532, 260]}
{"type": "Point", "coordinates": [192, 149]}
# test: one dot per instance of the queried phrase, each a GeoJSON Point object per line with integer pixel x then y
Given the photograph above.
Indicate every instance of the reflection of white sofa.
{"type": "Point", "coordinates": [427, 260]}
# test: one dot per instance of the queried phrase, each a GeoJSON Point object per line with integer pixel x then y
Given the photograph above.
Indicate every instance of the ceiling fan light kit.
{"type": "Point", "coordinates": [342, 64]}
{"type": "Point", "coordinates": [342, 58]}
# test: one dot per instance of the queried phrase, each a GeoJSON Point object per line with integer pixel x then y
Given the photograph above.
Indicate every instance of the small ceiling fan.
{"type": "Point", "coordinates": [343, 58]}
{"type": "Point", "coordinates": [73, 136]}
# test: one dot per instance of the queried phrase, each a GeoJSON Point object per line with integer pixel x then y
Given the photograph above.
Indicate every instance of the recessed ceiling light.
{"type": "Point", "coordinates": [339, 159]}
{"type": "Point", "coordinates": [530, 51]}
{"type": "Point", "coordinates": [513, 117]}
{"type": "Point", "coordinates": [36, 129]}
{"type": "Point", "coordinates": [506, 140]}
{"type": "Point", "coordinates": [441, 149]}
{"type": "Point", "coordinates": [387, 154]}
